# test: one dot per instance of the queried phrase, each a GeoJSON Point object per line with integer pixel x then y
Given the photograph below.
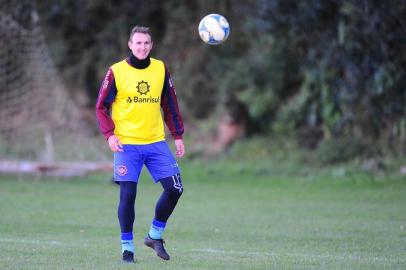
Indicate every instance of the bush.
{"type": "Point", "coordinates": [337, 150]}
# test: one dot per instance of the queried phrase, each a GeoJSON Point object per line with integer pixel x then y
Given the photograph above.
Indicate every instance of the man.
{"type": "Point", "coordinates": [128, 110]}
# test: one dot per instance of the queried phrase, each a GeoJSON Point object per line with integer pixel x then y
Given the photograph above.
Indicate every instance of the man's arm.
{"type": "Point", "coordinates": [169, 104]}
{"type": "Point", "coordinates": [107, 94]}
{"type": "Point", "coordinates": [172, 116]}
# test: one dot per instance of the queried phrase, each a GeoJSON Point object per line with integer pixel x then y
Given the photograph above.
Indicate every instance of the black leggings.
{"type": "Point", "coordinates": [172, 190]}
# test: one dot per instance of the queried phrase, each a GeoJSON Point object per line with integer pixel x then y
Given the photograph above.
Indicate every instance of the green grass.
{"type": "Point", "coordinates": [232, 216]}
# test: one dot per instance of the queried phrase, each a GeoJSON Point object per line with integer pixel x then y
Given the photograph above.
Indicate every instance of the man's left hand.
{"type": "Point", "coordinates": [180, 148]}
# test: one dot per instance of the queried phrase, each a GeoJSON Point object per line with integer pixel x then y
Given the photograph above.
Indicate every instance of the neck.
{"type": "Point", "coordinates": [137, 63]}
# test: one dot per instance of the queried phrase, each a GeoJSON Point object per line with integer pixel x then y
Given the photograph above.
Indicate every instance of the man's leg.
{"type": "Point", "coordinates": [127, 168]}
{"type": "Point", "coordinates": [172, 190]}
{"type": "Point", "coordinates": [126, 216]}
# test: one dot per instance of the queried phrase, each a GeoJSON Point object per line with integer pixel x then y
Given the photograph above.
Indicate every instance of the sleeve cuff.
{"type": "Point", "coordinates": [108, 135]}
{"type": "Point", "coordinates": [176, 137]}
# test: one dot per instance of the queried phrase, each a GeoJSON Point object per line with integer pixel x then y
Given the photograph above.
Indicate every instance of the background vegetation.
{"type": "Point", "coordinates": [327, 74]}
{"type": "Point", "coordinates": [320, 71]}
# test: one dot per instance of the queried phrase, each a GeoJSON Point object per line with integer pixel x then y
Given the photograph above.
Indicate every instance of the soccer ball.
{"type": "Point", "coordinates": [214, 29]}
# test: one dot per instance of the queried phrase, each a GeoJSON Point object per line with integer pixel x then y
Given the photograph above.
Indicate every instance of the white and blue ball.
{"type": "Point", "coordinates": [214, 29]}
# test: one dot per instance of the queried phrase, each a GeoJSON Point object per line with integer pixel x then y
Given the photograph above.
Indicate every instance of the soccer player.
{"type": "Point", "coordinates": [129, 113]}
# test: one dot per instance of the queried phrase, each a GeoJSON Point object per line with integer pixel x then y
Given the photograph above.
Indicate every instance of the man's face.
{"type": "Point", "coordinates": [140, 44]}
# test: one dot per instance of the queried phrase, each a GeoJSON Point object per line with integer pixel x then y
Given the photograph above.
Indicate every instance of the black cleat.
{"type": "Point", "coordinates": [128, 257]}
{"type": "Point", "coordinates": [158, 246]}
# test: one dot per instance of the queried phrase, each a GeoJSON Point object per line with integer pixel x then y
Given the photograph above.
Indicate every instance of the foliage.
{"type": "Point", "coordinates": [349, 53]}
{"type": "Point", "coordinates": [315, 69]}
{"type": "Point", "coordinates": [339, 150]}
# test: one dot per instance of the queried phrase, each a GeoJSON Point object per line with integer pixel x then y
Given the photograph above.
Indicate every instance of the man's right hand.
{"type": "Point", "coordinates": [115, 144]}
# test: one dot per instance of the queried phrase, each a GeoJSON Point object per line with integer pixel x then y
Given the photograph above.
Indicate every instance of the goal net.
{"type": "Point", "coordinates": [38, 118]}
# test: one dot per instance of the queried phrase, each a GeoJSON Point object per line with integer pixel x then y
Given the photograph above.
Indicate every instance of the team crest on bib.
{"type": "Point", "coordinates": [121, 170]}
{"type": "Point", "coordinates": [143, 87]}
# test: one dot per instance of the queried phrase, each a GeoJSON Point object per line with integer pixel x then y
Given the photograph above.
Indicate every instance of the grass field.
{"type": "Point", "coordinates": [231, 216]}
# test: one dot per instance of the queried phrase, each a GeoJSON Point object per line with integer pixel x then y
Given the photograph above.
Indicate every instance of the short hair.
{"type": "Point", "coordinates": [140, 29]}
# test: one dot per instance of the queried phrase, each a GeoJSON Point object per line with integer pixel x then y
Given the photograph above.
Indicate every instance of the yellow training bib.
{"type": "Point", "coordinates": [136, 110]}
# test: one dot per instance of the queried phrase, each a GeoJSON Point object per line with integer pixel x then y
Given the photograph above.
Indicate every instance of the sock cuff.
{"type": "Point", "coordinates": [127, 236]}
{"type": "Point", "coordinates": [158, 224]}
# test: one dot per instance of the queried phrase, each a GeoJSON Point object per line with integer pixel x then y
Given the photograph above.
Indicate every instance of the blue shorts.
{"type": "Point", "coordinates": [157, 157]}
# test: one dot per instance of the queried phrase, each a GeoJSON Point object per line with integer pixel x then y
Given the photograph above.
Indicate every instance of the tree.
{"type": "Point", "coordinates": [315, 69]}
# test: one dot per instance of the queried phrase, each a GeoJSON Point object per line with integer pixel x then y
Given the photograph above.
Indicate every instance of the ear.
{"type": "Point", "coordinates": [129, 44]}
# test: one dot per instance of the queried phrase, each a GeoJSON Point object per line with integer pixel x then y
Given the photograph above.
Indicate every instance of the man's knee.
{"type": "Point", "coordinates": [173, 185]}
